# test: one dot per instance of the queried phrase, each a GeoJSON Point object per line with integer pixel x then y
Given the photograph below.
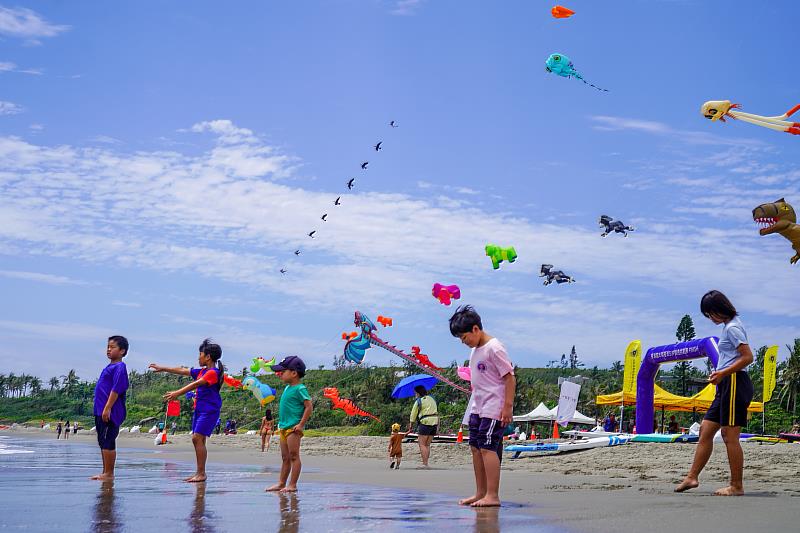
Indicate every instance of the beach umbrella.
{"type": "Point", "coordinates": [405, 389]}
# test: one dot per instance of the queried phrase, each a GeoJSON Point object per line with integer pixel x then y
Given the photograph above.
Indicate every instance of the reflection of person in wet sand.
{"type": "Point", "coordinates": [197, 518]}
{"type": "Point", "coordinates": [104, 519]}
{"type": "Point", "coordinates": [487, 519]}
{"type": "Point", "coordinates": [290, 513]}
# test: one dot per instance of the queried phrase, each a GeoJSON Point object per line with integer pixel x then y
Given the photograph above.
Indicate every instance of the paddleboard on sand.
{"type": "Point", "coordinates": [790, 437]}
{"type": "Point", "coordinates": [585, 444]}
{"type": "Point", "coordinates": [665, 437]}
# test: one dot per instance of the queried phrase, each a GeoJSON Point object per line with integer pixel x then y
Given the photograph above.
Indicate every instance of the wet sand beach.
{"type": "Point", "coordinates": [603, 489]}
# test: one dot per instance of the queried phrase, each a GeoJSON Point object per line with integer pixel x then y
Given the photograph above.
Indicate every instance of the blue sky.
{"type": "Point", "coordinates": [159, 163]}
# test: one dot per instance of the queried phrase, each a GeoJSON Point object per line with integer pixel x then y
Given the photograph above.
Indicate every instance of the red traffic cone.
{"type": "Point", "coordinates": [555, 430]}
{"type": "Point", "coordinates": [460, 437]}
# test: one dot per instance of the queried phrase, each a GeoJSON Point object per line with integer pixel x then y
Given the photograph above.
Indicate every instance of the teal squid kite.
{"type": "Point", "coordinates": [562, 65]}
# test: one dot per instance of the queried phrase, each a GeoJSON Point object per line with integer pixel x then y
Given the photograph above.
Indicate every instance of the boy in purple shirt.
{"type": "Point", "coordinates": [493, 388]}
{"type": "Point", "coordinates": [109, 404]}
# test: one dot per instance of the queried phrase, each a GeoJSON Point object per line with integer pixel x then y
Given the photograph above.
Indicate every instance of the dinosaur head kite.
{"type": "Point", "coordinates": [715, 110]}
{"type": "Point", "coordinates": [779, 217]}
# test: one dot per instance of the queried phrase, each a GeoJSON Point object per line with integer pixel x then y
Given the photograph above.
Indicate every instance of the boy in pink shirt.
{"type": "Point", "coordinates": [493, 388]}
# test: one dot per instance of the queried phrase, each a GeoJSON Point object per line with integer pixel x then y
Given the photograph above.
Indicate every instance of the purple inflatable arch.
{"type": "Point", "coordinates": [654, 358]}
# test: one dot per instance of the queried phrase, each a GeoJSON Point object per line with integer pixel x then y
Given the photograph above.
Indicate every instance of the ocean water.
{"type": "Point", "coordinates": [44, 486]}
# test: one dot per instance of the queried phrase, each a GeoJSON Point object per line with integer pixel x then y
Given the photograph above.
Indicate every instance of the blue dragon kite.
{"type": "Point", "coordinates": [562, 65]}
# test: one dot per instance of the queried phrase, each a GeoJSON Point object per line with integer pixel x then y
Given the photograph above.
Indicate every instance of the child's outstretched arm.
{"type": "Point", "coordinates": [179, 370]}
{"type": "Point", "coordinates": [506, 415]}
{"type": "Point", "coordinates": [308, 409]}
{"type": "Point", "coordinates": [183, 390]}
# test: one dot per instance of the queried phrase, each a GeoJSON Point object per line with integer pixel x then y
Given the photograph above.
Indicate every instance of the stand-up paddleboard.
{"type": "Point", "coordinates": [665, 437]}
{"type": "Point", "coordinates": [790, 437]}
{"type": "Point", "coordinates": [764, 439]}
{"type": "Point", "coordinates": [411, 437]}
{"type": "Point", "coordinates": [574, 445]}
{"type": "Point", "coordinates": [590, 434]}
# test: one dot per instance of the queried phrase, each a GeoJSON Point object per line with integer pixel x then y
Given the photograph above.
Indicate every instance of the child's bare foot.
{"type": "Point", "coordinates": [275, 488]}
{"type": "Point", "coordinates": [102, 477]}
{"type": "Point", "coordinates": [197, 478]}
{"type": "Point", "coordinates": [486, 501]}
{"type": "Point", "coordinates": [289, 488]}
{"type": "Point", "coordinates": [729, 491]}
{"type": "Point", "coordinates": [687, 483]}
{"type": "Point", "coordinates": [470, 500]}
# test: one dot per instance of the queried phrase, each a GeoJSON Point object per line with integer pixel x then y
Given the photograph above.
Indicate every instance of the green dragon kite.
{"type": "Point", "coordinates": [779, 217]}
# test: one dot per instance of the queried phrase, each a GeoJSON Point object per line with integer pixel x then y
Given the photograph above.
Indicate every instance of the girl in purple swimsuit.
{"type": "Point", "coordinates": [208, 378]}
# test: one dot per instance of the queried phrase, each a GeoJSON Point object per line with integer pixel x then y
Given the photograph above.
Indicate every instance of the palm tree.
{"type": "Point", "coordinates": [790, 378]}
{"type": "Point", "coordinates": [53, 383]}
{"type": "Point", "coordinates": [36, 385]}
{"type": "Point", "coordinates": [12, 384]}
{"type": "Point", "coordinates": [617, 366]}
{"type": "Point", "coordinates": [70, 381]}
{"type": "Point", "coordinates": [2, 385]}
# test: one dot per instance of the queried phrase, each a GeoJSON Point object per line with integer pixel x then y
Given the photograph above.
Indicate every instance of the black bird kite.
{"type": "Point", "coordinates": [283, 271]}
{"type": "Point", "coordinates": [349, 185]}
{"type": "Point", "coordinates": [324, 217]}
{"type": "Point", "coordinates": [393, 124]}
{"type": "Point", "coordinates": [378, 146]}
{"type": "Point", "coordinates": [312, 234]}
{"type": "Point", "coordinates": [297, 252]}
{"type": "Point", "coordinates": [338, 199]}
{"type": "Point", "coordinates": [364, 165]}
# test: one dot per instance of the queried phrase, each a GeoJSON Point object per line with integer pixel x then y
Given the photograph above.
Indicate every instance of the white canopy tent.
{"type": "Point", "coordinates": [543, 414]}
{"type": "Point", "coordinates": [540, 414]}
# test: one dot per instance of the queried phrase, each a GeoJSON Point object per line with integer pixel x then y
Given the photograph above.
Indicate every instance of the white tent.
{"type": "Point", "coordinates": [540, 414]}
{"type": "Point", "coordinates": [543, 414]}
{"type": "Point", "coordinates": [577, 418]}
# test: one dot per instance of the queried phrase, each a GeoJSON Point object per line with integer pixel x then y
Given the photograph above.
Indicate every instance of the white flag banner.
{"type": "Point", "coordinates": [567, 402]}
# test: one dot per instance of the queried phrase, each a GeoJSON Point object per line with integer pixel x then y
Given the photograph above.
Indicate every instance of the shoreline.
{"type": "Point", "coordinates": [596, 490]}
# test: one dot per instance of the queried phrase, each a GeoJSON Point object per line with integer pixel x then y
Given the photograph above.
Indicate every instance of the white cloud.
{"type": "Point", "coordinates": [121, 303]}
{"type": "Point", "coordinates": [41, 278]}
{"type": "Point", "coordinates": [405, 7]}
{"type": "Point", "coordinates": [233, 219]}
{"type": "Point", "coordinates": [10, 108]}
{"type": "Point", "coordinates": [26, 24]}
{"type": "Point", "coordinates": [609, 123]}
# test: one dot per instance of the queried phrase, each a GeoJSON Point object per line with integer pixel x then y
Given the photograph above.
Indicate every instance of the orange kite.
{"type": "Point", "coordinates": [332, 393]}
{"type": "Point", "coordinates": [561, 12]}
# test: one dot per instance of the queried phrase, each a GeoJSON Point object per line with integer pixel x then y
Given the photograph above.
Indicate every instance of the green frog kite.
{"type": "Point", "coordinates": [779, 217]}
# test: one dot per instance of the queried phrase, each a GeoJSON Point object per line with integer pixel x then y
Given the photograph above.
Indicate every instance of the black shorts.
{"type": "Point", "coordinates": [734, 394]}
{"type": "Point", "coordinates": [107, 433]}
{"type": "Point", "coordinates": [424, 429]}
{"type": "Point", "coordinates": [486, 434]}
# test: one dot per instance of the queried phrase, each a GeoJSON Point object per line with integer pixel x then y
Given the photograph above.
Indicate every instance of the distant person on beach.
{"type": "Point", "coordinates": [425, 414]}
{"type": "Point", "coordinates": [58, 430]}
{"type": "Point", "coordinates": [266, 429]}
{"type": "Point", "coordinates": [396, 446]}
{"type": "Point", "coordinates": [734, 393]}
{"type": "Point", "coordinates": [294, 411]}
{"type": "Point", "coordinates": [66, 430]}
{"type": "Point", "coordinates": [493, 388]}
{"type": "Point", "coordinates": [218, 428]}
{"type": "Point", "coordinates": [174, 427]}
{"type": "Point", "coordinates": [208, 379]}
{"type": "Point", "coordinates": [109, 404]}
{"type": "Point", "coordinates": [673, 426]}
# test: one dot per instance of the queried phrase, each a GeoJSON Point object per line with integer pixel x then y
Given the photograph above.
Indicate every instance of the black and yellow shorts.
{"type": "Point", "coordinates": [734, 394]}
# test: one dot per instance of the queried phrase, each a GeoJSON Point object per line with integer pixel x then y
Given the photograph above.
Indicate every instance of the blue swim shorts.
{"type": "Point", "coordinates": [204, 423]}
